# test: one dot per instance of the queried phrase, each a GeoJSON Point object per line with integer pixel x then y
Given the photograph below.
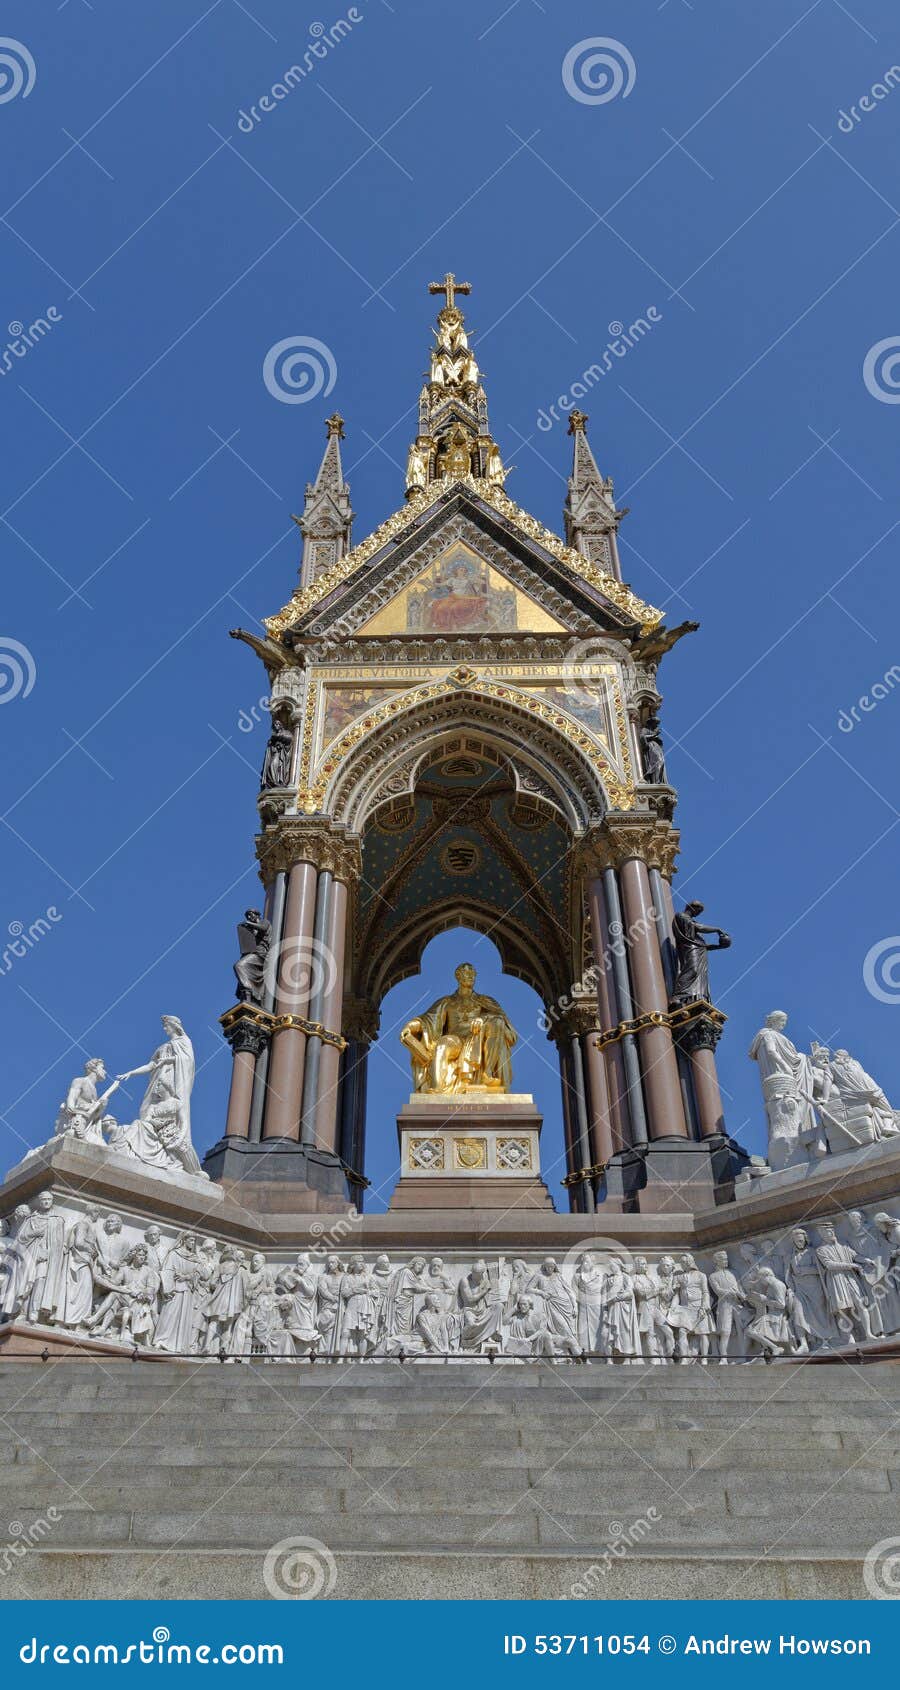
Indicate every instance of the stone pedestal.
{"type": "Point", "coordinates": [474, 1150]}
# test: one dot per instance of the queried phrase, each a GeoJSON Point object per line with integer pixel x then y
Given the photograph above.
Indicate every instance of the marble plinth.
{"type": "Point", "coordinates": [476, 1149]}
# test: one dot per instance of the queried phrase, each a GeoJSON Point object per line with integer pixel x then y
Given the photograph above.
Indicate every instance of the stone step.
{"type": "Point", "coordinates": [160, 1464]}
{"type": "Point", "coordinates": [467, 1574]}
{"type": "Point", "coordinates": [862, 1494]}
{"type": "Point", "coordinates": [568, 1534]}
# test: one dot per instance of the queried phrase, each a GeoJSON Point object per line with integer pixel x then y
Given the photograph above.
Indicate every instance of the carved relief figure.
{"type": "Point", "coordinates": [589, 1280]}
{"type": "Point", "coordinates": [176, 1325]}
{"type": "Point", "coordinates": [620, 1336]}
{"type": "Point", "coordinates": [16, 1266]}
{"type": "Point", "coordinates": [43, 1238]}
{"type": "Point", "coordinates": [809, 1315]}
{"type": "Point", "coordinates": [842, 1272]}
{"type": "Point", "coordinates": [730, 1304]}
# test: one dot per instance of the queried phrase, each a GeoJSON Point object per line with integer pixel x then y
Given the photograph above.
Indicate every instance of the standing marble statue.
{"type": "Point", "coordinates": [790, 1084]}
{"type": "Point", "coordinates": [276, 769]}
{"type": "Point", "coordinates": [255, 939]}
{"type": "Point", "coordinates": [692, 955]}
{"type": "Point", "coordinates": [161, 1135]}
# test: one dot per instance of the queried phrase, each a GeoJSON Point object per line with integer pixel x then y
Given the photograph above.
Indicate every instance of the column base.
{"type": "Point", "coordinates": [672, 1176]}
{"type": "Point", "coordinates": [286, 1177]}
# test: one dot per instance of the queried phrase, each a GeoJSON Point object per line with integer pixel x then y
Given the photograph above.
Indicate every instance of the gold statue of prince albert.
{"type": "Point", "coordinates": [462, 1043]}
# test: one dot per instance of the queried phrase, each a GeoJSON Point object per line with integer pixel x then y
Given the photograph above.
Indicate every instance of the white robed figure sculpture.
{"type": "Point", "coordinates": [161, 1135]}
{"type": "Point", "coordinates": [790, 1086]}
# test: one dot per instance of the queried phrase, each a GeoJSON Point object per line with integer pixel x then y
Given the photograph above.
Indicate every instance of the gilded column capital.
{"type": "Point", "coordinates": [620, 837]}
{"type": "Point", "coordinates": [308, 839]}
{"type": "Point", "coordinates": [576, 1020]}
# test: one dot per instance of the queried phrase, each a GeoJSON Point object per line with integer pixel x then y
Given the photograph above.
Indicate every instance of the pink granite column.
{"type": "Point", "coordinates": [599, 1108]}
{"type": "Point", "coordinates": [612, 1055]}
{"type": "Point", "coordinates": [710, 1114]}
{"type": "Point", "coordinates": [240, 1096]}
{"type": "Point", "coordinates": [288, 1052]}
{"type": "Point", "coordinates": [326, 1113]}
{"type": "Point", "coordinates": [662, 1088]}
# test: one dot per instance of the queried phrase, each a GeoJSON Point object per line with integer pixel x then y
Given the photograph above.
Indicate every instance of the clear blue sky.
{"type": "Point", "coordinates": [148, 474]}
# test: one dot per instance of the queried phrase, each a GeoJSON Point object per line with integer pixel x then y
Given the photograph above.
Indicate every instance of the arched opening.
{"type": "Point", "coordinates": [535, 1064]}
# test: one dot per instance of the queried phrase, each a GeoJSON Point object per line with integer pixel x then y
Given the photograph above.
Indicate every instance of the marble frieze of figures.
{"type": "Point", "coordinates": [98, 1275]}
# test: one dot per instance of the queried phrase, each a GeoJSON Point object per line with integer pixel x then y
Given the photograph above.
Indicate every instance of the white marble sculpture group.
{"type": "Point", "coordinates": [816, 1105]}
{"type": "Point", "coordinates": [95, 1275]}
{"type": "Point", "coordinates": [160, 1136]}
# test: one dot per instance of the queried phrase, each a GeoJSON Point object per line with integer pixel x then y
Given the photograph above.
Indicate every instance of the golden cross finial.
{"type": "Point", "coordinates": [577, 422]}
{"type": "Point", "coordinates": [335, 425]}
{"type": "Point", "coordinates": [450, 286]}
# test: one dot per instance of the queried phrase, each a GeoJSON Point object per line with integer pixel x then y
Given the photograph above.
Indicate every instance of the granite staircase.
{"type": "Point", "coordinates": [446, 1480]}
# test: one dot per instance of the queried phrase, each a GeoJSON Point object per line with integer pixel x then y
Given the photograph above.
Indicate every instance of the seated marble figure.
{"type": "Point", "coordinates": [462, 1043]}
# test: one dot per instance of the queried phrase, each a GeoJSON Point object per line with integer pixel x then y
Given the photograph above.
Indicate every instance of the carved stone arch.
{"type": "Point", "coordinates": [399, 956]}
{"type": "Point", "coordinates": [375, 766]}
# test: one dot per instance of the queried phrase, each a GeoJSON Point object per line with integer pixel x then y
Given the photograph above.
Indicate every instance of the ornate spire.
{"type": "Point", "coordinates": [454, 439]}
{"type": "Point", "coordinates": [327, 517]}
{"type": "Point", "coordinates": [590, 509]}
